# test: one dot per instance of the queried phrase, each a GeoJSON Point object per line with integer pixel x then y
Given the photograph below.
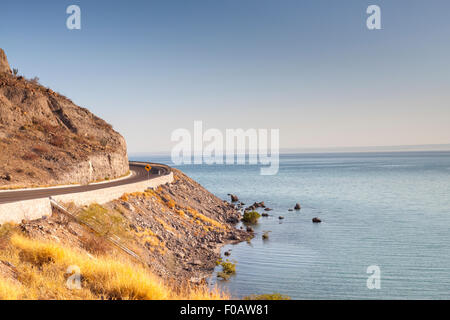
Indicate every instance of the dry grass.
{"type": "Point", "coordinates": [151, 240]}
{"type": "Point", "coordinates": [124, 197]}
{"type": "Point", "coordinates": [10, 290]}
{"type": "Point", "coordinates": [180, 213]}
{"type": "Point", "coordinates": [205, 219]}
{"type": "Point", "coordinates": [42, 273]}
{"type": "Point", "coordinates": [6, 231]}
{"type": "Point", "coordinates": [165, 225]}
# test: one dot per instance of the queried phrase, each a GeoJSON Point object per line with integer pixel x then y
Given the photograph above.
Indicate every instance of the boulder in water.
{"type": "Point", "coordinates": [234, 198]}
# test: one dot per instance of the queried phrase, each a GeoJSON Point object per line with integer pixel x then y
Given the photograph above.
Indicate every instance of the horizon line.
{"type": "Point", "coordinates": [359, 149]}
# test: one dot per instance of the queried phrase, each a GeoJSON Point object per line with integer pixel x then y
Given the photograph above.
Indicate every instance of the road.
{"type": "Point", "coordinates": [139, 174]}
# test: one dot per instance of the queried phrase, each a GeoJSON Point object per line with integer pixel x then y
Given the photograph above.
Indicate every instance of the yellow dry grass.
{"type": "Point", "coordinates": [10, 290]}
{"type": "Point", "coordinates": [151, 239]}
{"type": "Point", "coordinates": [205, 219]}
{"type": "Point", "coordinates": [165, 225]}
{"type": "Point", "coordinates": [42, 267]}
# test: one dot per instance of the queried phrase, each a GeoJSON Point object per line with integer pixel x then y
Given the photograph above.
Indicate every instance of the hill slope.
{"type": "Point", "coordinates": [45, 139]}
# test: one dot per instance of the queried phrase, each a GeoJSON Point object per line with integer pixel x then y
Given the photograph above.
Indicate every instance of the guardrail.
{"type": "Point", "coordinates": [122, 247]}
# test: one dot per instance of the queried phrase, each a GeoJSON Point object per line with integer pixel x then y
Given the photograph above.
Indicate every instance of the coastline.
{"type": "Point", "coordinates": [177, 230]}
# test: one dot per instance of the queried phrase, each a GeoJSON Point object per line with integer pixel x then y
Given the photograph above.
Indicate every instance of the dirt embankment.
{"type": "Point", "coordinates": [45, 139]}
{"type": "Point", "coordinates": [176, 230]}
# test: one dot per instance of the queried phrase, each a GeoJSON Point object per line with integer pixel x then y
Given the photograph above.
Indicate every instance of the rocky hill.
{"type": "Point", "coordinates": [45, 139]}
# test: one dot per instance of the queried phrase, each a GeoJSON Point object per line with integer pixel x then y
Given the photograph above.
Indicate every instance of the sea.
{"type": "Point", "coordinates": [385, 231]}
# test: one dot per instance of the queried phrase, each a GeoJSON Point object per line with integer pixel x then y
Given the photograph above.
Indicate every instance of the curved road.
{"type": "Point", "coordinates": [139, 174]}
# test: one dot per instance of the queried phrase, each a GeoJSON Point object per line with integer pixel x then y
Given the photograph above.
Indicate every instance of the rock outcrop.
{"type": "Point", "coordinates": [45, 139]}
{"type": "Point", "coordinates": [4, 65]}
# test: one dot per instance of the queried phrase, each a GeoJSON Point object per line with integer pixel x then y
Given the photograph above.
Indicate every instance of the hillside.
{"type": "Point", "coordinates": [176, 230]}
{"type": "Point", "coordinates": [45, 139]}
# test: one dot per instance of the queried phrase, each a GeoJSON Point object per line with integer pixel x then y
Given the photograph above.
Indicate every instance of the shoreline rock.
{"type": "Point", "coordinates": [234, 198]}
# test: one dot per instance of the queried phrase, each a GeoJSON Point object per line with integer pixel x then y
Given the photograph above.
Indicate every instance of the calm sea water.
{"type": "Point", "coordinates": [391, 210]}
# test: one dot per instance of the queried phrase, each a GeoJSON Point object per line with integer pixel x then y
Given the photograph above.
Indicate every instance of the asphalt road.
{"type": "Point", "coordinates": [139, 174]}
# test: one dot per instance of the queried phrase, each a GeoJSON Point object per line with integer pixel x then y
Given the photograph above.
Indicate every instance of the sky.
{"type": "Point", "coordinates": [311, 68]}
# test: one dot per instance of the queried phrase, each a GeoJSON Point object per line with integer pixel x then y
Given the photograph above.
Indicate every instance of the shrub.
{"type": "Point", "coordinates": [103, 142]}
{"type": "Point", "coordinates": [104, 222]}
{"type": "Point", "coordinates": [95, 245]}
{"type": "Point", "coordinates": [251, 217]}
{"type": "Point", "coordinates": [34, 80]}
{"type": "Point", "coordinates": [228, 269]}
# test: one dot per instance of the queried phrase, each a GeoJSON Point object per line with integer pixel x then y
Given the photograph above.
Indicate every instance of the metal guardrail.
{"type": "Point", "coordinates": [166, 169]}
{"type": "Point", "coordinates": [128, 251]}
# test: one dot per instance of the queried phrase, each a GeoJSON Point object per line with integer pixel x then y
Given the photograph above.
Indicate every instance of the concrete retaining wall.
{"type": "Point", "coordinates": [105, 195]}
{"type": "Point", "coordinates": [37, 208]}
{"type": "Point", "coordinates": [28, 210]}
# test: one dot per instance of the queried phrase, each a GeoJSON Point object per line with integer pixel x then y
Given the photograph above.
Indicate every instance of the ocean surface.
{"type": "Point", "coordinates": [390, 210]}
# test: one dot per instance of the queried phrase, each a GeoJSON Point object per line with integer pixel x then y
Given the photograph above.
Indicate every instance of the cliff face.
{"type": "Point", "coordinates": [46, 139]}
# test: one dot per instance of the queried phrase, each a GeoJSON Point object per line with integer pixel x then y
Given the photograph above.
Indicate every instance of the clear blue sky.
{"type": "Point", "coordinates": [310, 68]}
